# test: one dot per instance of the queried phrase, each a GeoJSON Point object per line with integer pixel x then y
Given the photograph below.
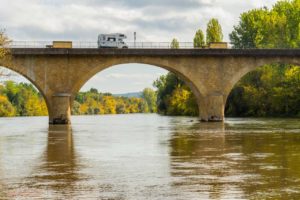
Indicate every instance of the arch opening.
{"type": "Point", "coordinates": [270, 90]}
{"type": "Point", "coordinates": [144, 75]}
{"type": "Point", "coordinates": [20, 96]}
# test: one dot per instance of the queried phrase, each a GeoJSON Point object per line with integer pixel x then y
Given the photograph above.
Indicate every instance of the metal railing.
{"type": "Point", "coordinates": [87, 44]}
{"type": "Point", "coordinates": [131, 45]}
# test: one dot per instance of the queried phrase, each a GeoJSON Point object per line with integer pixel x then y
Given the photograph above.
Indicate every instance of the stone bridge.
{"type": "Point", "coordinates": [210, 73]}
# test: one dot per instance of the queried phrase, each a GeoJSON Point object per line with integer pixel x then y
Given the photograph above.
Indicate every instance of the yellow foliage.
{"type": "Point", "coordinates": [94, 103]}
{"type": "Point", "coordinates": [178, 101]}
{"type": "Point", "coordinates": [35, 106]}
{"type": "Point", "coordinates": [6, 108]}
{"type": "Point", "coordinates": [83, 108]}
{"type": "Point", "coordinates": [109, 104]}
{"type": "Point", "coordinates": [293, 74]}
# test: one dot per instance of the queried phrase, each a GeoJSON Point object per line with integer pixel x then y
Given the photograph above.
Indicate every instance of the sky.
{"type": "Point", "coordinates": [153, 20]}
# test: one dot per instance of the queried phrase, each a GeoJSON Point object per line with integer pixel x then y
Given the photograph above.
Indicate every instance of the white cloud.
{"type": "Point", "coordinates": [154, 20]}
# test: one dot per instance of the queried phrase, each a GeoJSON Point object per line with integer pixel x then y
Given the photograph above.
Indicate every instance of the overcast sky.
{"type": "Point", "coordinates": [153, 20]}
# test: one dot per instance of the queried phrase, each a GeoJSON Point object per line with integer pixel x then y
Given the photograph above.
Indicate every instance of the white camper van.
{"type": "Point", "coordinates": [114, 40]}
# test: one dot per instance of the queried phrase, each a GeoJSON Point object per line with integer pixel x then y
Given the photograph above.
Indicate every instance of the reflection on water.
{"type": "Point", "coordinates": [58, 169]}
{"type": "Point", "coordinates": [149, 157]}
{"type": "Point", "coordinates": [197, 161]}
{"type": "Point", "coordinates": [255, 159]}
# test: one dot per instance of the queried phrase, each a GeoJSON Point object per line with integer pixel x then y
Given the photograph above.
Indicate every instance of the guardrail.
{"type": "Point", "coordinates": [87, 44]}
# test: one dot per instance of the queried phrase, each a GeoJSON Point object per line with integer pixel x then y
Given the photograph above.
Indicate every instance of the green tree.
{"type": "Point", "coordinates": [94, 90]}
{"type": "Point", "coordinates": [278, 27]}
{"type": "Point", "coordinates": [271, 90]}
{"type": "Point", "coordinates": [214, 31]}
{"type": "Point", "coordinates": [199, 39]}
{"type": "Point", "coordinates": [150, 97]}
{"type": "Point", "coordinates": [174, 44]}
{"type": "Point", "coordinates": [244, 35]}
{"type": "Point", "coordinates": [165, 85]}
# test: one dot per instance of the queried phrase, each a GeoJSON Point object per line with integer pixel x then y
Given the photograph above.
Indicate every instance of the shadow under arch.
{"type": "Point", "coordinates": [19, 73]}
{"type": "Point", "coordinates": [245, 71]}
{"type": "Point", "coordinates": [85, 78]}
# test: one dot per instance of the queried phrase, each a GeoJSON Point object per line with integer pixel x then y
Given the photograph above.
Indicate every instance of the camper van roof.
{"type": "Point", "coordinates": [113, 34]}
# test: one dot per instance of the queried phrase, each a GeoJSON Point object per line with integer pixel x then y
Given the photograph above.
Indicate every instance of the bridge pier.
{"type": "Point", "coordinates": [60, 111]}
{"type": "Point", "coordinates": [211, 108]}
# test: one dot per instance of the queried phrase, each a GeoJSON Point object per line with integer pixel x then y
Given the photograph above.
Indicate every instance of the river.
{"type": "Point", "coordinates": [147, 156]}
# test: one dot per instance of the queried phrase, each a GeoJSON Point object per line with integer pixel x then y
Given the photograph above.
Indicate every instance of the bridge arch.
{"type": "Point", "coordinates": [20, 73]}
{"type": "Point", "coordinates": [100, 68]}
{"type": "Point", "coordinates": [95, 69]}
{"type": "Point", "coordinates": [246, 70]}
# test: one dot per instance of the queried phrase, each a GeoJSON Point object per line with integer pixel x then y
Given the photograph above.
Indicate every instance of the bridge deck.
{"type": "Point", "coordinates": [157, 52]}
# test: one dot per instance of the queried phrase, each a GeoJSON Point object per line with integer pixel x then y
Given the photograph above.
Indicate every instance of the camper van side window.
{"type": "Point", "coordinates": [110, 39]}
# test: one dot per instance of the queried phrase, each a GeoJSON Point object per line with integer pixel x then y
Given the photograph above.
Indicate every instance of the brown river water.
{"type": "Point", "coordinates": [147, 156]}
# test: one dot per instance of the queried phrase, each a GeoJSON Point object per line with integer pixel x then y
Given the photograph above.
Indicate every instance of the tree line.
{"type": "Point", "coordinates": [93, 102]}
{"type": "Point", "coordinates": [23, 99]}
{"type": "Point", "coordinates": [213, 34]}
{"type": "Point", "coordinates": [271, 90]}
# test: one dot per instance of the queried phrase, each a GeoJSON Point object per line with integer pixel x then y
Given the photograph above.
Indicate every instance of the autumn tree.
{"type": "Point", "coordinates": [6, 108]}
{"type": "Point", "coordinates": [4, 52]}
{"type": "Point", "coordinates": [4, 41]}
{"type": "Point", "coordinates": [174, 97]}
{"type": "Point", "coordinates": [214, 31]}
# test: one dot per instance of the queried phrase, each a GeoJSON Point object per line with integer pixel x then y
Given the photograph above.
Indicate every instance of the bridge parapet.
{"type": "Point", "coordinates": [158, 52]}
{"type": "Point", "coordinates": [131, 45]}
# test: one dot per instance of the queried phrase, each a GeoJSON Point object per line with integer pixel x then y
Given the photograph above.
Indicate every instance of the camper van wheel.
{"type": "Point", "coordinates": [125, 47]}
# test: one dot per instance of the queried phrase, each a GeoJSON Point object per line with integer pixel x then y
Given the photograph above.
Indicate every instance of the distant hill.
{"type": "Point", "coordinates": [130, 94]}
